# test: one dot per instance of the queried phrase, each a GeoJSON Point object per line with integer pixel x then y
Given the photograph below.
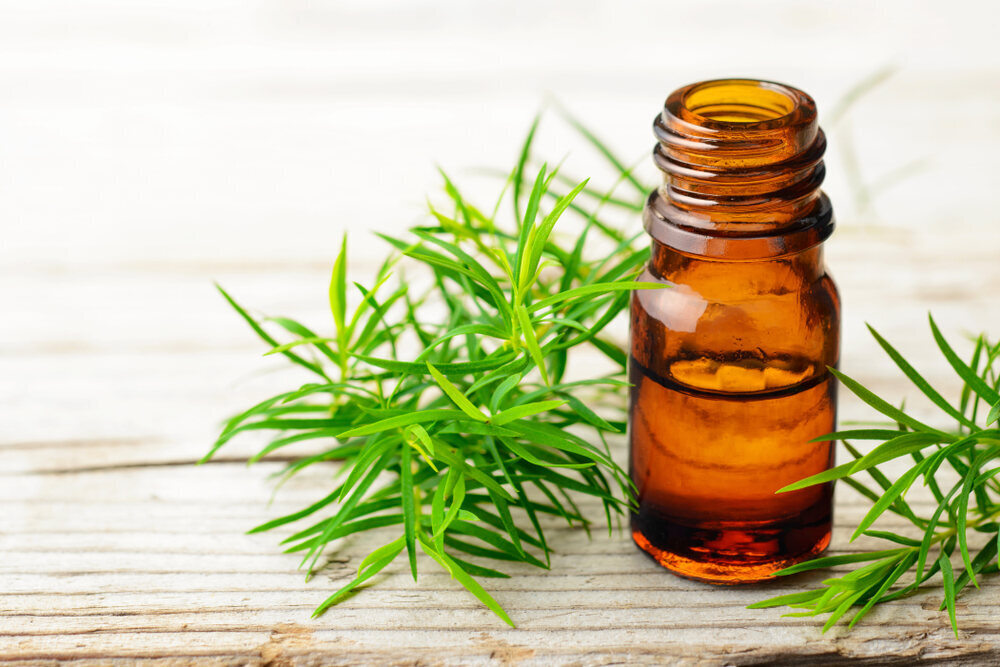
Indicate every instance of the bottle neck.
{"type": "Point", "coordinates": [742, 163]}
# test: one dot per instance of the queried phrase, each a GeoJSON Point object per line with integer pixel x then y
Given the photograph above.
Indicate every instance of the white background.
{"type": "Point", "coordinates": [149, 148]}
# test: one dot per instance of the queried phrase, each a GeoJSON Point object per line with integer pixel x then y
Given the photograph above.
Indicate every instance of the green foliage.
{"type": "Point", "coordinates": [966, 461]}
{"type": "Point", "coordinates": [447, 405]}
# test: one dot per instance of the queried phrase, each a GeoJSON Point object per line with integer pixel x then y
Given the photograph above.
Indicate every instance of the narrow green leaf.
{"type": "Point", "coordinates": [338, 288]}
{"type": "Point", "coordinates": [837, 613]}
{"type": "Point", "coordinates": [543, 231]}
{"type": "Point", "coordinates": [901, 445]}
{"type": "Point", "coordinates": [831, 561]}
{"type": "Point", "coordinates": [447, 369]}
{"type": "Point", "coordinates": [905, 564]}
{"type": "Point", "coordinates": [948, 577]}
{"type": "Point", "coordinates": [420, 433]}
{"type": "Point", "coordinates": [408, 504]}
{"type": "Point", "coordinates": [603, 149]}
{"type": "Point", "coordinates": [454, 508]}
{"type": "Point", "coordinates": [295, 516]}
{"type": "Point", "coordinates": [897, 490]}
{"type": "Point", "coordinates": [918, 380]}
{"type": "Point", "coordinates": [524, 410]}
{"type": "Point", "coordinates": [479, 570]}
{"type": "Point", "coordinates": [881, 405]}
{"type": "Point", "coordinates": [528, 332]}
{"type": "Point", "coordinates": [929, 530]}
{"type": "Point", "coordinates": [860, 434]}
{"type": "Point", "coordinates": [467, 582]}
{"type": "Point", "coordinates": [518, 176]}
{"type": "Point", "coordinates": [985, 555]}
{"type": "Point", "coordinates": [501, 391]}
{"type": "Point", "coordinates": [791, 599]}
{"type": "Point", "coordinates": [294, 358]}
{"type": "Point", "coordinates": [591, 290]}
{"type": "Point", "coordinates": [393, 549]}
{"type": "Point", "coordinates": [975, 382]}
{"type": "Point", "coordinates": [418, 417]}
{"type": "Point", "coordinates": [453, 392]}
{"type": "Point", "coordinates": [284, 347]}
{"type": "Point", "coordinates": [373, 568]}
{"type": "Point", "coordinates": [994, 415]}
{"type": "Point", "coordinates": [893, 537]}
{"type": "Point", "coordinates": [528, 222]}
{"type": "Point", "coordinates": [830, 475]}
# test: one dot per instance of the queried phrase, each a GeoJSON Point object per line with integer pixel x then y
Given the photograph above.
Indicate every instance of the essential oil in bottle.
{"type": "Point", "coordinates": [729, 366]}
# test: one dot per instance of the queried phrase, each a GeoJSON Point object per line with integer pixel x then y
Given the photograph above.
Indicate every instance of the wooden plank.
{"type": "Point", "coordinates": [115, 545]}
{"type": "Point", "coordinates": [213, 591]}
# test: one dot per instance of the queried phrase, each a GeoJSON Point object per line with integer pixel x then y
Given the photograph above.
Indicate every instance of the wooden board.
{"type": "Point", "coordinates": [115, 545]}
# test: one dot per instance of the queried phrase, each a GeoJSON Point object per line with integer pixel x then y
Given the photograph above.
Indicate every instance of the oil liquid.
{"type": "Point", "coordinates": [711, 444]}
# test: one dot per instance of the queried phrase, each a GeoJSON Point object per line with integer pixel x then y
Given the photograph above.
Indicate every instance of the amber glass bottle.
{"type": "Point", "coordinates": [729, 367]}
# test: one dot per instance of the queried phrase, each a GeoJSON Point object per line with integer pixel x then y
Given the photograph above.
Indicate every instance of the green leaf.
{"type": "Point", "coordinates": [528, 332]}
{"type": "Point", "coordinates": [464, 330]}
{"type": "Point", "coordinates": [370, 567]}
{"type": "Point", "coordinates": [418, 417]}
{"type": "Point", "coordinates": [467, 582]}
{"type": "Point", "coordinates": [538, 458]}
{"type": "Point", "coordinates": [791, 600]}
{"type": "Point", "coordinates": [985, 555]}
{"type": "Point", "coordinates": [859, 434]}
{"type": "Point", "coordinates": [897, 490]}
{"type": "Point", "coordinates": [543, 231]}
{"type": "Point", "coordinates": [408, 504]}
{"type": "Point", "coordinates": [524, 410]}
{"type": "Point", "coordinates": [830, 475]}
{"type": "Point", "coordinates": [893, 537]}
{"type": "Point", "coordinates": [837, 613]}
{"type": "Point", "coordinates": [295, 516]}
{"type": "Point", "coordinates": [929, 534]}
{"type": "Point", "coordinates": [420, 433]}
{"type": "Point", "coordinates": [463, 403]}
{"type": "Point", "coordinates": [976, 383]}
{"type": "Point", "coordinates": [603, 149]}
{"type": "Point", "coordinates": [831, 561]}
{"type": "Point", "coordinates": [294, 358]}
{"type": "Point", "coordinates": [948, 578]}
{"type": "Point", "coordinates": [591, 290]}
{"type": "Point", "coordinates": [479, 570]}
{"type": "Point", "coordinates": [994, 415]}
{"type": "Point", "coordinates": [905, 564]}
{"type": "Point", "coordinates": [918, 380]}
{"type": "Point", "coordinates": [880, 404]}
{"type": "Point", "coordinates": [901, 445]}
{"type": "Point", "coordinates": [502, 389]}
{"type": "Point", "coordinates": [528, 223]}
{"type": "Point", "coordinates": [295, 343]}
{"type": "Point", "coordinates": [518, 176]}
{"type": "Point", "coordinates": [447, 369]}
{"type": "Point", "coordinates": [338, 288]}
{"type": "Point", "coordinates": [455, 508]}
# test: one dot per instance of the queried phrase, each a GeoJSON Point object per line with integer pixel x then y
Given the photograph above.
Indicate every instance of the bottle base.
{"type": "Point", "coordinates": [732, 552]}
{"type": "Point", "coordinates": [723, 573]}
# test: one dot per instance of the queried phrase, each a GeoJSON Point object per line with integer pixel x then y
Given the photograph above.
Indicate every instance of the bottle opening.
{"type": "Point", "coordinates": [743, 163]}
{"type": "Point", "coordinates": [739, 101]}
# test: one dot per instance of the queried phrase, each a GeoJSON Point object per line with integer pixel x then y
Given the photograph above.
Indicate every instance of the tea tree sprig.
{"type": "Point", "coordinates": [960, 466]}
{"type": "Point", "coordinates": [448, 406]}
